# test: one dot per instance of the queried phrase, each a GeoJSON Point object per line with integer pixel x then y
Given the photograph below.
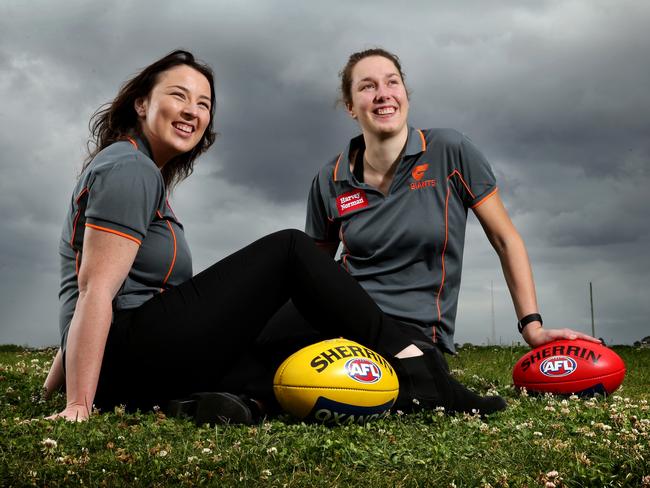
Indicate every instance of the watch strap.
{"type": "Point", "coordinates": [524, 321]}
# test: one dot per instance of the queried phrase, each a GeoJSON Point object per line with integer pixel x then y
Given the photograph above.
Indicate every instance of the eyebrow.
{"type": "Point", "coordinates": [180, 87]}
{"type": "Point", "coordinates": [369, 78]}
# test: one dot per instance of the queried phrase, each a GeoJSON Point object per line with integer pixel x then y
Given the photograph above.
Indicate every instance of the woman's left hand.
{"type": "Point", "coordinates": [537, 336]}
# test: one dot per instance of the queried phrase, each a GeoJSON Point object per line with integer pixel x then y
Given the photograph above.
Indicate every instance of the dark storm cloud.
{"type": "Point", "coordinates": [554, 93]}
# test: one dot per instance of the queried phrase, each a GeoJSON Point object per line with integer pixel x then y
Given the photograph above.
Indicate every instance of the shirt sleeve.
{"type": "Point", "coordinates": [477, 181]}
{"type": "Point", "coordinates": [318, 224]}
{"type": "Point", "coordinates": [123, 198]}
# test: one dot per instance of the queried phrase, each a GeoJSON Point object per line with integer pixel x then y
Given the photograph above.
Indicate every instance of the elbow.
{"type": "Point", "coordinates": [505, 244]}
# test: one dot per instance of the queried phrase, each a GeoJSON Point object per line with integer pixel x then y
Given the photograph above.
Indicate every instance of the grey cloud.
{"type": "Point", "coordinates": [553, 92]}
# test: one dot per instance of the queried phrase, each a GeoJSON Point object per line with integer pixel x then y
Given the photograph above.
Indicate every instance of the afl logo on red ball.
{"type": "Point", "coordinates": [363, 370]}
{"type": "Point", "coordinates": [558, 366]}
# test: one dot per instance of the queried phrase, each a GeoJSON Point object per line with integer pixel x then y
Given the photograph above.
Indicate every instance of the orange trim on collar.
{"type": "Point", "coordinates": [424, 142]}
{"type": "Point", "coordinates": [132, 141]}
{"type": "Point", "coordinates": [336, 168]}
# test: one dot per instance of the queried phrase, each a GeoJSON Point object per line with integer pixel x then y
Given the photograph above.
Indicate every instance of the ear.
{"type": "Point", "coordinates": [351, 112]}
{"type": "Point", "coordinates": [140, 106]}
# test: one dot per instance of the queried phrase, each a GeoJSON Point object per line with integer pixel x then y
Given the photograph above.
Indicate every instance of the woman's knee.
{"type": "Point", "coordinates": [291, 237]}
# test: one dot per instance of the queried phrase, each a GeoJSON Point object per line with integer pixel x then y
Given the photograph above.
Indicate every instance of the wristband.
{"type": "Point", "coordinates": [524, 321]}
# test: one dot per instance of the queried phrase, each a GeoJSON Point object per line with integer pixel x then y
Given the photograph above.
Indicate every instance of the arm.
{"type": "Point", "coordinates": [511, 250]}
{"type": "Point", "coordinates": [55, 377]}
{"type": "Point", "coordinates": [107, 259]}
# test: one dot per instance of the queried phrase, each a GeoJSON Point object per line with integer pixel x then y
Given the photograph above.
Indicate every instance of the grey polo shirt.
{"type": "Point", "coordinates": [405, 248]}
{"type": "Point", "coordinates": [122, 192]}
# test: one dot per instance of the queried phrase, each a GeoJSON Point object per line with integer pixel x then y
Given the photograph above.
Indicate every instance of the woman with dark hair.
{"type": "Point", "coordinates": [137, 329]}
{"type": "Point", "coordinates": [397, 198]}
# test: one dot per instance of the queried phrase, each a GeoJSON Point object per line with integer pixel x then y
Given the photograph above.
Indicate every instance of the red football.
{"type": "Point", "coordinates": [566, 367]}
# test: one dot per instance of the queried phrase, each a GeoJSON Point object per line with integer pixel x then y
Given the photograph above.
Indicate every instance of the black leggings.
{"type": "Point", "coordinates": [202, 334]}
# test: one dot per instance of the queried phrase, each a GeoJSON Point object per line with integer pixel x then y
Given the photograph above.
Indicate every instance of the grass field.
{"type": "Point", "coordinates": [539, 441]}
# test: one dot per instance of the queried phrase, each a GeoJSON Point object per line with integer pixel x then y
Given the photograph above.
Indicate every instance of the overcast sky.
{"type": "Point", "coordinates": [555, 93]}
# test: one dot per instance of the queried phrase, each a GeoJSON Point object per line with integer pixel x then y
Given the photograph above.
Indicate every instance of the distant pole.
{"type": "Point", "coordinates": [494, 328]}
{"type": "Point", "coordinates": [591, 300]}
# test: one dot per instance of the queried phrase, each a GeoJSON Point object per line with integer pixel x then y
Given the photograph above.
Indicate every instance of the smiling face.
{"type": "Point", "coordinates": [175, 114]}
{"type": "Point", "coordinates": [379, 101]}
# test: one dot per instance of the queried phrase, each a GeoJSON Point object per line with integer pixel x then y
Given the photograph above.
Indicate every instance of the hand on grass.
{"type": "Point", "coordinates": [72, 413]}
{"type": "Point", "coordinates": [537, 336]}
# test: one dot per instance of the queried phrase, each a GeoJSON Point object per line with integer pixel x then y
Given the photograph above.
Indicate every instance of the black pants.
{"type": "Point", "coordinates": [202, 335]}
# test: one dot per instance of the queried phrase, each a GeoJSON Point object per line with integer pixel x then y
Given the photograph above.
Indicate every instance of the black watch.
{"type": "Point", "coordinates": [524, 321]}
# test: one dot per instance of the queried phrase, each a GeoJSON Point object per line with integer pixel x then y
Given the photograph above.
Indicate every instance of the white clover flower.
{"type": "Point", "coordinates": [192, 459]}
{"type": "Point", "coordinates": [552, 474]}
{"type": "Point", "coordinates": [538, 434]}
{"type": "Point", "coordinates": [49, 443]}
{"type": "Point", "coordinates": [574, 397]}
{"type": "Point", "coordinates": [162, 453]}
{"type": "Point", "coordinates": [272, 451]}
{"type": "Point", "coordinates": [206, 450]}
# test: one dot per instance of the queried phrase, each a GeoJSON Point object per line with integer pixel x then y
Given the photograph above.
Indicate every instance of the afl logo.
{"type": "Point", "coordinates": [363, 370]}
{"type": "Point", "coordinates": [557, 366]}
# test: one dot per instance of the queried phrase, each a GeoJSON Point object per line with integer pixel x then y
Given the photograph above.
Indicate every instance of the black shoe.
{"type": "Point", "coordinates": [426, 385]}
{"type": "Point", "coordinates": [212, 408]}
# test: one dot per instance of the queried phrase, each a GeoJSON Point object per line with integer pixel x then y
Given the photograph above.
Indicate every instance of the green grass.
{"type": "Point", "coordinates": [538, 441]}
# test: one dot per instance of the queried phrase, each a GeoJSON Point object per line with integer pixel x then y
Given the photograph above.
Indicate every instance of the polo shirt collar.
{"type": "Point", "coordinates": [415, 144]}
{"type": "Point", "coordinates": [143, 145]}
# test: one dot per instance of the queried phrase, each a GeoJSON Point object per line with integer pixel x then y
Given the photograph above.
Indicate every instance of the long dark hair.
{"type": "Point", "coordinates": [117, 120]}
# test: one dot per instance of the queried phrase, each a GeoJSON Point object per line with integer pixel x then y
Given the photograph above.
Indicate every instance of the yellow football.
{"type": "Point", "coordinates": [336, 381]}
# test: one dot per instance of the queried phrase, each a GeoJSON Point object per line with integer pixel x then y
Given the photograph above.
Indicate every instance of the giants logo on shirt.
{"type": "Point", "coordinates": [418, 171]}
{"type": "Point", "coordinates": [352, 200]}
{"type": "Point", "coordinates": [418, 174]}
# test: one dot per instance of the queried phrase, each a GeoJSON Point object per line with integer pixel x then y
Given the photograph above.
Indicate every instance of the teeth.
{"type": "Point", "coordinates": [184, 127]}
{"type": "Point", "coordinates": [386, 110]}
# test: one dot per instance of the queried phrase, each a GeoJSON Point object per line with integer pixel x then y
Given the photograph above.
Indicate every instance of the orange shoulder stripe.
{"type": "Point", "coordinates": [116, 232]}
{"type": "Point", "coordinates": [76, 217]}
{"type": "Point", "coordinates": [462, 180]}
{"type": "Point", "coordinates": [132, 141]}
